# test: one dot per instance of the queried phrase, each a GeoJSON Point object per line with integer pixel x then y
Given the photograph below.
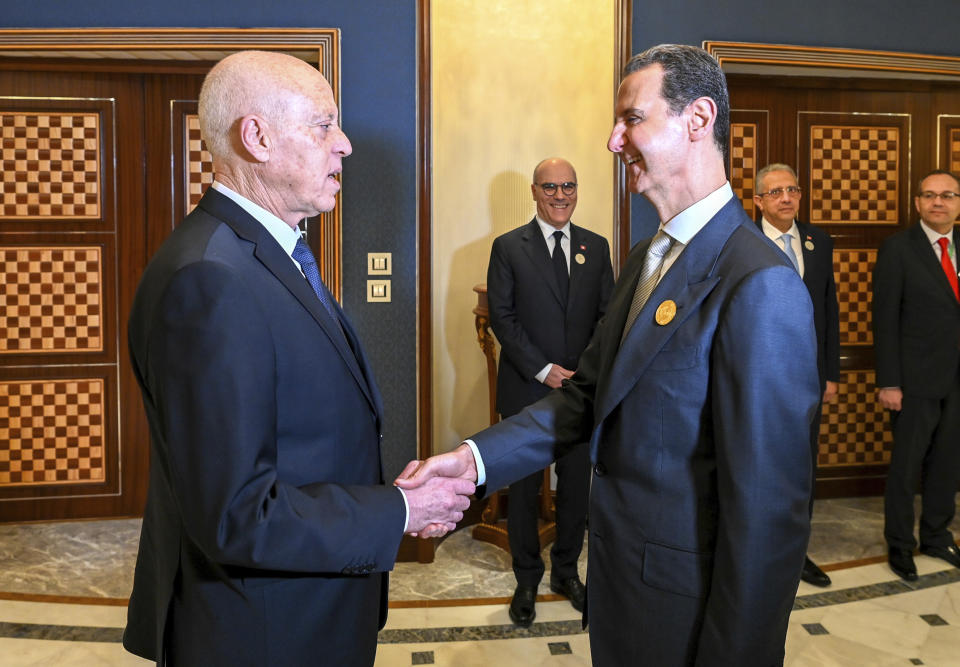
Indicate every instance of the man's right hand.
{"type": "Point", "coordinates": [456, 468]}
{"type": "Point", "coordinates": [891, 398]}
{"type": "Point", "coordinates": [556, 376]}
{"type": "Point", "coordinates": [437, 505]}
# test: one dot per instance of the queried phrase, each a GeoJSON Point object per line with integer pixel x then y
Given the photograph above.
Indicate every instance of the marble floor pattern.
{"type": "Point", "coordinates": [63, 588]}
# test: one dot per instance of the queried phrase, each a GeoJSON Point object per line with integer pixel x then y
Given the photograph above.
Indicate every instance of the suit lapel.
{"type": "Point", "coordinates": [688, 282]}
{"type": "Point", "coordinates": [269, 253]}
{"type": "Point", "coordinates": [924, 250]}
{"type": "Point", "coordinates": [536, 248]}
{"type": "Point", "coordinates": [578, 248]}
{"type": "Point", "coordinates": [810, 255]}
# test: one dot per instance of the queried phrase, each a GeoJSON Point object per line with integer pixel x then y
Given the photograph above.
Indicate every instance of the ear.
{"type": "Point", "coordinates": [758, 200]}
{"type": "Point", "coordinates": [533, 191]}
{"type": "Point", "coordinates": [255, 137]}
{"type": "Point", "coordinates": [702, 113]}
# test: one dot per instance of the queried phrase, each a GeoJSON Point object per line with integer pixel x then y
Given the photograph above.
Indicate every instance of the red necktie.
{"type": "Point", "coordinates": [948, 266]}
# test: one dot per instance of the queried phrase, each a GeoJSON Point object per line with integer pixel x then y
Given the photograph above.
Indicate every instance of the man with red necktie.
{"type": "Point", "coordinates": [916, 326]}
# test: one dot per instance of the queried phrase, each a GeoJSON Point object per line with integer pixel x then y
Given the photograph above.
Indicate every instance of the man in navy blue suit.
{"type": "Point", "coordinates": [268, 531]}
{"type": "Point", "coordinates": [810, 250]}
{"type": "Point", "coordinates": [548, 284]}
{"type": "Point", "coordinates": [696, 393]}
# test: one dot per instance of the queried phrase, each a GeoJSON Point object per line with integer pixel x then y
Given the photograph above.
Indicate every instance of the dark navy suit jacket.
{"type": "Point", "coordinates": [268, 531]}
{"type": "Point", "coordinates": [532, 324]}
{"type": "Point", "coordinates": [916, 317]}
{"type": "Point", "coordinates": [699, 428]}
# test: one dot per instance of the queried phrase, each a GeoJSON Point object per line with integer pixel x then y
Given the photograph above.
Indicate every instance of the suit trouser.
{"type": "Point", "coordinates": [926, 456]}
{"type": "Point", "coordinates": [573, 489]}
{"type": "Point", "coordinates": [814, 451]}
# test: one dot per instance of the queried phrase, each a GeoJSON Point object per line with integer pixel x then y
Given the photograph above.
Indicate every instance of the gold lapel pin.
{"type": "Point", "coordinates": [665, 312]}
{"type": "Point", "coordinates": [808, 245]}
{"type": "Point", "coordinates": [579, 258]}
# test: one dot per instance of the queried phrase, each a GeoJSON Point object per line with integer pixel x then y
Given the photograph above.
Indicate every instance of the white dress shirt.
{"type": "Point", "coordinates": [774, 235]}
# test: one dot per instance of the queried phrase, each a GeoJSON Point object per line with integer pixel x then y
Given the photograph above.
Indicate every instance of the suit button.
{"type": "Point", "coordinates": [599, 470]}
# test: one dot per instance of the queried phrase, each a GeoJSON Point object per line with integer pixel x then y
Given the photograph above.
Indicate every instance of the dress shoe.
{"type": "Point", "coordinates": [901, 562]}
{"type": "Point", "coordinates": [951, 554]}
{"type": "Point", "coordinates": [522, 610]}
{"type": "Point", "coordinates": [813, 575]}
{"type": "Point", "coordinates": [572, 588]}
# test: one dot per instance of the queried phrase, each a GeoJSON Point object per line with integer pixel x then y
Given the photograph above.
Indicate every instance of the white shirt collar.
{"type": "Point", "coordinates": [933, 235]}
{"type": "Point", "coordinates": [547, 229]}
{"type": "Point", "coordinates": [685, 224]}
{"type": "Point", "coordinates": [284, 234]}
{"type": "Point", "coordinates": [774, 233]}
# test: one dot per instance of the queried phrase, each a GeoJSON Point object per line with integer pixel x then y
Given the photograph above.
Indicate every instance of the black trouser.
{"type": "Point", "coordinates": [573, 488]}
{"type": "Point", "coordinates": [926, 457]}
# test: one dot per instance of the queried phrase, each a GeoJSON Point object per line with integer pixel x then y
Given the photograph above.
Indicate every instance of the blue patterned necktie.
{"type": "Point", "coordinates": [649, 276]}
{"type": "Point", "coordinates": [788, 250]}
{"type": "Point", "coordinates": [305, 258]}
{"type": "Point", "coordinates": [560, 266]}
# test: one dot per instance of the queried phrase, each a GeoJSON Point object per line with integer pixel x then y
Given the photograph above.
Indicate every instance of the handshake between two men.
{"type": "Point", "coordinates": [438, 491]}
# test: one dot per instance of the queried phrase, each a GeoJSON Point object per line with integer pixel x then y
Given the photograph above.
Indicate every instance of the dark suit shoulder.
{"type": "Point", "coordinates": [818, 235]}
{"type": "Point", "coordinates": [527, 230]}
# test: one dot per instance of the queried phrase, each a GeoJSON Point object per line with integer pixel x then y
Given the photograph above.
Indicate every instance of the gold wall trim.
{"type": "Point", "coordinates": [811, 56]}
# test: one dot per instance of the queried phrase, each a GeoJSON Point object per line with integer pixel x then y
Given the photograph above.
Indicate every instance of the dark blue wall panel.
{"type": "Point", "coordinates": [378, 85]}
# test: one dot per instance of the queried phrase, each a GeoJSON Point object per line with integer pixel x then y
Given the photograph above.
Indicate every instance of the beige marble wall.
{"type": "Point", "coordinates": [512, 82]}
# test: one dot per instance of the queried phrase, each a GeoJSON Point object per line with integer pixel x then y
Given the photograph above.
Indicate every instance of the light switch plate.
{"type": "Point", "coordinates": [378, 291]}
{"type": "Point", "coordinates": [379, 263]}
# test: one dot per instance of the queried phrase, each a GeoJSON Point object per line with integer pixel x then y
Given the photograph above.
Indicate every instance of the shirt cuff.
{"type": "Point", "coordinates": [406, 508]}
{"type": "Point", "coordinates": [481, 470]}
{"type": "Point", "coordinates": [541, 376]}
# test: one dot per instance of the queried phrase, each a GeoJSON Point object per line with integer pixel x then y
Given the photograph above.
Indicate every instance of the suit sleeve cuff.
{"type": "Point", "coordinates": [481, 470]}
{"type": "Point", "coordinates": [542, 375]}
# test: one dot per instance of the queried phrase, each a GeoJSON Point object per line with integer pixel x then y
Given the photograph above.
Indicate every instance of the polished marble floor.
{"type": "Point", "coordinates": [63, 585]}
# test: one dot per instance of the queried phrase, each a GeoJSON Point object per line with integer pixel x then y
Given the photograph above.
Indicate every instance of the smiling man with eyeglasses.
{"type": "Point", "coordinates": [547, 285]}
{"type": "Point", "coordinates": [916, 329]}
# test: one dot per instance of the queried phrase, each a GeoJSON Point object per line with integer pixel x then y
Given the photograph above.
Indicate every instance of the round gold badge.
{"type": "Point", "coordinates": [579, 258]}
{"type": "Point", "coordinates": [665, 312]}
{"type": "Point", "coordinates": [808, 245]}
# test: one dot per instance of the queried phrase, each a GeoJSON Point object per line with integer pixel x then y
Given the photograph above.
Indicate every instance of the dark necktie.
{"type": "Point", "coordinates": [308, 264]}
{"type": "Point", "coordinates": [560, 267]}
{"type": "Point", "coordinates": [948, 266]}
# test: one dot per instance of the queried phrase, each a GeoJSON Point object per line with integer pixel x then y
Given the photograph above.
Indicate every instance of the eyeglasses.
{"type": "Point", "coordinates": [550, 189]}
{"type": "Point", "coordinates": [791, 190]}
{"type": "Point", "coordinates": [945, 196]}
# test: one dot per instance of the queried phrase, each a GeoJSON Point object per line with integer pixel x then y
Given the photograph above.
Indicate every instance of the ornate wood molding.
{"type": "Point", "coordinates": [811, 56]}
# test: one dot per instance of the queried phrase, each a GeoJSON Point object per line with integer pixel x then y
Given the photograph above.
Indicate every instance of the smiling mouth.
{"type": "Point", "coordinates": [632, 160]}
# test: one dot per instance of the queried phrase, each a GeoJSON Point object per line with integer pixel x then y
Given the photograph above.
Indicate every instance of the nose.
{"type": "Point", "coordinates": [341, 145]}
{"type": "Point", "coordinates": [616, 141]}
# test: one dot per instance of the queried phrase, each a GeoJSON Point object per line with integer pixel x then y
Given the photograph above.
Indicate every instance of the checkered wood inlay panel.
{"type": "Point", "coordinates": [51, 432]}
{"type": "Point", "coordinates": [743, 163]}
{"type": "Point", "coordinates": [854, 175]}
{"type": "Point", "coordinates": [853, 272]}
{"type": "Point", "coordinates": [854, 430]}
{"type": "Point", "coordinates": [51, 299]}
{"type": "Point", "coordinates": [199, 171]}
{"type": "Point", "coordinates": [954, 152]}
{"type": "Point", "coordinates": [50, 165]}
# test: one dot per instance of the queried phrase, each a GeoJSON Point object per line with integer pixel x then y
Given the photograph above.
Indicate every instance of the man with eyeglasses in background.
{"type": "Point", "coordinates": [916, 331]}
{"type": "Point", "coordinates": [810, 250]}
{"type": "Point", "coordinates": [547, 284]}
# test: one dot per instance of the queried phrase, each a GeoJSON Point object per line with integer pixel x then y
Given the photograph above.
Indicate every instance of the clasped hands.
{"type": "Point", "coordinates": [438, 491]}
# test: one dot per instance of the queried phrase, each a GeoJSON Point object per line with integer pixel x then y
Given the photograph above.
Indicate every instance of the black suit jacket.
{"type": "Point", "coordinates": [268, 531]}
{"type": "Point", "coordinates": [699, 504]}
{"type": "Point", "coordinates": [916, 317]}
{"type": "Point", "coordinates": [819, 278]}
{"type": "Point", "coordinates": [532, 324]}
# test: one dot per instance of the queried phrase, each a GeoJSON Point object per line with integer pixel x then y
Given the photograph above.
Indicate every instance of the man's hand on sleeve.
{"type": "Point", "coordinates": [556, 376]}
{"type": "Point", "coordinates": [830, 392]}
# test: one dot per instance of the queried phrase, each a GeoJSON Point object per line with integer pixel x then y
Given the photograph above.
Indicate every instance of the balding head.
{"type": "Point", "coordinates": [271, 124]}
{"type": "Point", "coordinates": [250, 82]}
{"type": "Point", "coordinates": [554, 189]}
